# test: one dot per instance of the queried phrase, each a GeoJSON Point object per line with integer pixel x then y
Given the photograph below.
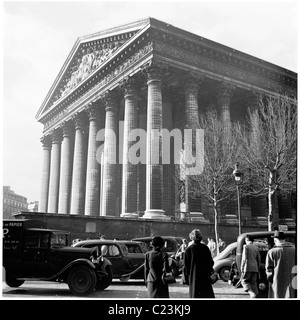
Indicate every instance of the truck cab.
{"type": "Point", "coordinates": [31, 251]}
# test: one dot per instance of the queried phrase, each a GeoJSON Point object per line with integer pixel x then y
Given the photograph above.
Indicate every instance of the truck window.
{"type": "Point", "coordinates": [32, 240]}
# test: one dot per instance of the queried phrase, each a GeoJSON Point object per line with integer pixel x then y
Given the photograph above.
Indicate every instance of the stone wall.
{"type": "Point", "coordinates": [112, 227]}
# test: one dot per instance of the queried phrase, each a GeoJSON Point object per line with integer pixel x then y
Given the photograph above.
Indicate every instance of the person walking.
{"type": "Point", "coordinates": [198, 266]}
{"type": "Point", "coordinates": [280, 261]}
{"type": "Point", "coordinates": [156, 264]}
{"type": "Point", "coordinates": [250, 267]}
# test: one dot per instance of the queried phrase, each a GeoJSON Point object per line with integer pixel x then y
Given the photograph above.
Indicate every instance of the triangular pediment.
{"type": "Point", "coordinates": [88, 54]}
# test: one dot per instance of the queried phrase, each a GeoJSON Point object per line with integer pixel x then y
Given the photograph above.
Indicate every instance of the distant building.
{"type": "Point", "coordinates": [12, 202]}
{"type": "Point", "coordinates": [33, 206]}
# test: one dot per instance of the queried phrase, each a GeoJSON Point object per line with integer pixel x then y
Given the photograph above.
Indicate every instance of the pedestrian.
{"type": "Point", "coordinates": [221, 245]}
{"type": "Point", "coordinates": [280, 261]}
{"type": "Point", "coordinates": [156, 264]}
{"type": "Point", "coordinates": [250, 267]}
{"type": "Point", "coordinates": [198, 266]}
{"type": "Point", "coordinates": [180, 252]}
{"type": "Point", "coordinates": [213, 248]}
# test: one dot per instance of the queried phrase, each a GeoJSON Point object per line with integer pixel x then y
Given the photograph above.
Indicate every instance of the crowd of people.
{"type": "Point", "coordinates": [197, 271]}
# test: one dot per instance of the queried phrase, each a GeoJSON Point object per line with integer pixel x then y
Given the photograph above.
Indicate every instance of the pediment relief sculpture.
{"type": "Point", "coordinates": [89, 60]}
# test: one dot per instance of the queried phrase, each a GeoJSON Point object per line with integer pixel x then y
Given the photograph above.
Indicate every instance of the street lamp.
{"type": "Point", "coordinates": [238, 176]}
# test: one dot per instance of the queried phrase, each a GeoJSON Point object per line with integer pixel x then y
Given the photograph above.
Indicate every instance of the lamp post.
{"type": "Point", "coordinates": [238, 176]}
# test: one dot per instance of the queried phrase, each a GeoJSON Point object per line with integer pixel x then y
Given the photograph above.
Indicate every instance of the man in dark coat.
{"type": "Point", "coordinates": [198, 266]}
{"type": "Point", "coordinates": [281, 268]}
{"type": "Point", "coordinates": [156, 263]}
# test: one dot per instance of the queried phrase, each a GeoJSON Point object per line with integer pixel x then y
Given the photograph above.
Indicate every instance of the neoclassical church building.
{"type": "Point", "coordinates": [145, 75]}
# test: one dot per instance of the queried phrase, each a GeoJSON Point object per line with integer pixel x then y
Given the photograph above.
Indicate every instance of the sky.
{"type": "Point", "coordinates": [37, 37]}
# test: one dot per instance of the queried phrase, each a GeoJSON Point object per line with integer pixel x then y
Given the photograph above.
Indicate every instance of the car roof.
{"type": "Point", "coordinates": [99, 241]}
{"type": "Point", "coordinates": [47, 230]}
{"type": "Point", "coordinates": [263, 234]}
{"type": "Point", "coordinates": [150, 238]}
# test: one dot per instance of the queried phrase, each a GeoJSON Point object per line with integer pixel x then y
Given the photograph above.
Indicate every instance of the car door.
{"type": "Point", "coordinates": [35, 255]}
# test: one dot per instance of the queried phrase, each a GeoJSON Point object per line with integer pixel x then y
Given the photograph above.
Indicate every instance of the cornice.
{"type": "Point", "coordinates": [223, 60]}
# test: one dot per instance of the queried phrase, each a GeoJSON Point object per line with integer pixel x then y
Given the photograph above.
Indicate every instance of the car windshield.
{"type": "Point", "coordinates": [60, 239]}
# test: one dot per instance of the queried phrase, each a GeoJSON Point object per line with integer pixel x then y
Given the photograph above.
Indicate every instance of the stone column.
{"type": "Point", "coordinates": [93, 167]}
{"type": "Point", "coordinates": [142, 166]}
{"type": "Point", "coordinates": [54, 171]}
{"type": "Point", "coordinates": [168, 168]}
{"type": "Point", "coordinates": [43, 204]}
{"type": "Point", "coordinates": [129, 180]}
{"type": "Point", "coordinates": [79, 167]}
{"type": "Point", "coordinates": [110, 158]}
{"type": "Point", "coordinates": [67, 150]}
{"type": "Point", "coordinates": [191, 89]}
{"type": "Point", "coordinates": [224, 95]}
{"type": "Point", "coordinates": [154, 169]}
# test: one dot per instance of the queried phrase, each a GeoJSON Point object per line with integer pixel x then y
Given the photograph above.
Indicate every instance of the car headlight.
{"type": "Point", "coordinates": [262, 286]}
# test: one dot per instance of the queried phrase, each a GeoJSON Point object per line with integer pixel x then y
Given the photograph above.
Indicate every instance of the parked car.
{"type": "Point", "coordinates": [171, 246]}
{"type": "Point", "coordinates": [224, 260]}
{"type": "Point", "coordinates": [127, 257]}
{"type": "Point", "coordinates": [265, 241]}
{"type": "Point", "coordinates": [31, 251]}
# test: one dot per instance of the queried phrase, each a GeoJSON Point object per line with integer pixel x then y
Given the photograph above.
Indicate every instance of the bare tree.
{"type": "Point", "coordinates": [215, 183]}
{"type": "Point", "coordinates": [269, 150]}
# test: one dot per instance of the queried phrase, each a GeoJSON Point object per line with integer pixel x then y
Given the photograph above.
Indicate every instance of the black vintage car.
{"type": "Point", "coordinates": [172, 244]}
{"type": "Point", "coordinates": [31, 251]}
{"type": "Point", "coordinates": [127, 257]}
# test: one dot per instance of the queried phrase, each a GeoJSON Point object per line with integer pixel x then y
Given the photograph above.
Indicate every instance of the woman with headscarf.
{"type": "Point", "coordinates": [156, 264]}
{"type": "Point", "coordinates": [198, 266]}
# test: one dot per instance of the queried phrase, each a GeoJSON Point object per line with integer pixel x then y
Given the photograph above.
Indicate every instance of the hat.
{"type": "Point", "coordinates": [158, 242]}
{"type": "Point", "coordinates": [278, 234]}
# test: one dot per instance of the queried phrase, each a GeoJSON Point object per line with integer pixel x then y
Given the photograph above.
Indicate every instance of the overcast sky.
{"type": "Point", "coordinates": [38, 36]}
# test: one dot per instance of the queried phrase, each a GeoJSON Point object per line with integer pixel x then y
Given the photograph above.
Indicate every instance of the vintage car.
{"type": "Point", "coordinates": [172, 244]}
{"type": "Point", "coordinates": [223, 261]}
{"type": "Point", "coordinates": [127, 257]}
{"type": "Point", "coordinates": [31, 251]}
{"type": "Point", "coordinates": [265, 242]}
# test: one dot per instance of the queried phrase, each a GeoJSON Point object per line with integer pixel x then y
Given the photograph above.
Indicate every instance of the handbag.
{"type": "Point", "coordinates": [168, 279]}
{"type": "Point", "coordinates": [214, 277]}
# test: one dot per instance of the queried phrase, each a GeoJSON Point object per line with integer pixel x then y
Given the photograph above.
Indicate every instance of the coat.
{"type": "Point", "coordinates": [280, 268]}
{"type": "Point", "coordinates": [250, 258]}
{"type": "Point", "coordinates": [198, 266]}
{"type": "Point", "coordinates": [156, 263]}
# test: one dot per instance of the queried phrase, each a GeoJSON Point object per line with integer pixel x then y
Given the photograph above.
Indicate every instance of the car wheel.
{"type": "Point", "coordinates": [224, 273]}
{"type": "Point", "coordinates": [13, 283]}
{"type": "Point", "coordinates": [82, 280]}
{"type": "Point", "coordinates": [106, 281]}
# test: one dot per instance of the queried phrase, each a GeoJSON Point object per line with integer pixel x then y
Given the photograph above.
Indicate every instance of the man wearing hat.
{"type": "Point", "coordinates": [280, 262]}
{"type": "Point", "coordinates": [250, 267]}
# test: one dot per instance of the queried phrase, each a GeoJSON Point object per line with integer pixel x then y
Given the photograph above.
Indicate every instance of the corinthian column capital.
{"type": "Point", "coordinates": [225, 91]}
{"type": "Point", "coordinates": [79, 121]}
{"type": "Point", "coordinates": [56, 136]}
{"type": "Point", "coordinates": [110, 99]}
{"type": "Point", "coordinates": [67, 128]}
{"type": "Point", "coordinates": [46, 141]}
{"type": "Point", "coordinates": [92, 111]}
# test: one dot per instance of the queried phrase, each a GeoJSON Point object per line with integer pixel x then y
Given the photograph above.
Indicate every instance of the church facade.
{"type": "Point", "coordinates": [131, 81]}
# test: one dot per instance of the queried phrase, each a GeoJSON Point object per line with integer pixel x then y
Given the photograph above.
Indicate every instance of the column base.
{"type": "Point", "coordinates": [156, 214]}
{"type": "Point", "coordinates": [232, 219]}
{"type": "Point", "coordinates": [129, 215]}
{"type": "Point", "coordinates": [262, 221]}
{"type": "Point", "coordinates": [198, 216]}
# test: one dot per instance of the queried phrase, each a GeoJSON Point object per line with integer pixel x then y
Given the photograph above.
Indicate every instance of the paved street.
{"type": "Point", "coordinates": [117, 290]}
